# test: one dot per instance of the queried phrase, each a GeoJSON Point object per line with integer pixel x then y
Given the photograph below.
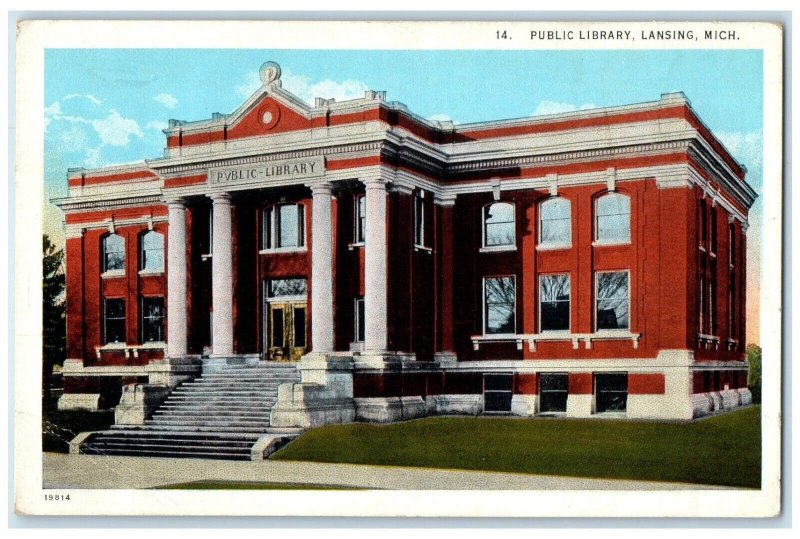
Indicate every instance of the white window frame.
{"type": "Point", "coordinates": [505, 246]}
{"type": "Point", "coordinates": [596, 224]}
{"type": "Point", "coordinates": [359, 232]}
{"type": "Point", "coordinates": [419, 218]}
{"type": "Point", "coordinates": [156, 271]}
{"type": "Point", "coordinates": [544, 246]}
{"type": "Point", "coordinates": [270, 223]}
{"type": "Point", "coordinates": [483, 306]}
{"type": "Point", "coordinates": [117, 271]}
{"type": "Point", "coordinates": [124, 321]}
{"type": "Point", "coordinates": [142, 318]}
{"type": "Point", "coordinates": [539, 304]}
{"type": "Point", "coordinates": [625, 331]}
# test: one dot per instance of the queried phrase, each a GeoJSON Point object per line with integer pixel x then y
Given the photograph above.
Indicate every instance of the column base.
{"type": "Point", "coordinates": [172, 371]}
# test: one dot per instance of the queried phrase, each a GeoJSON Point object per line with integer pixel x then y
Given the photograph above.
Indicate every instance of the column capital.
{"type": "Point", "coordinates": [321, 188]}
{"type": "Point", "coordinates": [445, 200]}
{"type": "Point", "coordinates": [374, 183]}
{"type": "Point", "coordinates": [220, 198]}
{"type": "Point", "coordinates": [176, 202]}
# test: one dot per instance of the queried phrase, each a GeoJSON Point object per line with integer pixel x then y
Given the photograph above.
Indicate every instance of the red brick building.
{"type": "Point", "coordinates": [584, 263]}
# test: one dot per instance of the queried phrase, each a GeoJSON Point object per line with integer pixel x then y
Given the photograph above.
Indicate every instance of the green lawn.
{"type": "Point", "coordinates": [722, 450]}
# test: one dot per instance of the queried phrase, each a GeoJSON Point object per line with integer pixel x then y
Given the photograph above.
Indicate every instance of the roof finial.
{"type": "Point", "coordinates": [270, 72]}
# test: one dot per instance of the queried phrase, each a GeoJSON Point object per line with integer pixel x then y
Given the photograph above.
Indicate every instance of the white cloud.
{"type": "Point", "coordinates": [54, 112]}
{"type": "Point", "coordinates": [88, 97]}
{"type": "Point", "coordinates": [251, 83]}
{"type": "Point", "coordinates": [157, 125]}
{"type": "Point", "coordinates": [554, 107]}
{"type": "Point", "coordinates": [92, 158]}
{"type": "Point", "coordinates": [115, 130]}
{"type": "Point", "coordinates": [745, 147]}
{"type": "Point", "coordinates": [302, 87]}
{"type": "Point", "coordinates": [168, 100]}
{"type": "Point", "coordinates": [72, 138]}
{"type": "Point", "coordinates": [305, 89]}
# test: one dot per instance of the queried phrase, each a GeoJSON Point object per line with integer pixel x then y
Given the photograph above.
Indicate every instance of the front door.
{"type": "Point", "coordinates": [286, 331]}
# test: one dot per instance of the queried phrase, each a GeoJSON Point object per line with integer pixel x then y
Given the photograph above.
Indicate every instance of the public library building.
{"type": "Point", "coordinates": [584, 264]}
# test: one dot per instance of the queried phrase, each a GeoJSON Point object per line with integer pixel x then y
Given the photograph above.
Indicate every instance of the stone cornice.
{"type": "Point", "coordinates": [201, 165]}
{"type": "Point", "coordinates": [85, 203]}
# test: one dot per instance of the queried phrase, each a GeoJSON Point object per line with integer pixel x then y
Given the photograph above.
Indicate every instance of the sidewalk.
{"type": "Point", "coordinates": [99, 472]}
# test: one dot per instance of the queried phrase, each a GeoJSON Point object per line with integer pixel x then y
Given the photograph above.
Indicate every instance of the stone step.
{"type": "Point", "coordinates": [142, 430]}
{"type": "Point", "coordinates": [132, 452]}
{"type": "Point", "coordinates": [202, 406]}
{"type": "Point", "coordinates": [219, 423]}
{"type": "Point", "coordinates": [165, 441]}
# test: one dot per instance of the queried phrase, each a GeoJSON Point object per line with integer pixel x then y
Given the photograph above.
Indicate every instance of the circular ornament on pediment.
{"type": "Point", "coordinates": [269, 114]}
{"type": "Point", "coordinates": [269, 72]}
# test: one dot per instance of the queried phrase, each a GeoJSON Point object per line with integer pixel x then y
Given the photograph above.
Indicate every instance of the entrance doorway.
{"type": "Point", "coordinates": [285, 319]}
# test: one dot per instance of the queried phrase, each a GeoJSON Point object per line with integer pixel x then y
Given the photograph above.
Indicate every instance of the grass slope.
{"type": "Point", "coordinates": [723, 450]}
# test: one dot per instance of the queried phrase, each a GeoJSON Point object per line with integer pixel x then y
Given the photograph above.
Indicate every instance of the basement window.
{"type": "Point", "coordinates": [611, 392]}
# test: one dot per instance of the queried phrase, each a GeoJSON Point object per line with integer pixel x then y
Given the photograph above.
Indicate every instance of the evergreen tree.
{"type": "Point", "coordinates": [54, 329]}
{"type": "Point", "coordinates": [754, 371]}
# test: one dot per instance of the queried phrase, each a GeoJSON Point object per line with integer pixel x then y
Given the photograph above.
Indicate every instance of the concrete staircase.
{"type": "Point", "coordinates": [222, 415]}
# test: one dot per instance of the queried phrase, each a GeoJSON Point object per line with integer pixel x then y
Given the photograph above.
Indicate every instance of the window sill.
{"type": "Point", "coordinates": [151, 273]}
{"type": "Point", "coordinates": [283, 250]}
{"type": "Point", "coordinates": [611, 243]}
{"type": "Point", "coordinates": [423, 248]}
{"type": "Point", "coordinates": [351, 246]}
{"type": "Point", "coordinates": [112, 274]}
{"type": "Point", "coordinates": [128, 350]}
{"type": "Point", "coordinates": [498, 249]}
{"type": "Point", "coordinates": [553, 247]}
{"type": "Point", "coordinates": [205, 257]}
{"type": "Point", "coordinates": [576, 338]}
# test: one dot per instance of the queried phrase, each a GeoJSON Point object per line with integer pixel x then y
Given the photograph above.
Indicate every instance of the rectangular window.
{"type": "Point", "coordinates": [731, 245]}
{"type": "Point", "coordinates": [500, 298]}
{"type": "Point", "coordinates": [499, 225]}
{"type": "Point", "coordinates": [611, 392]}
{"type": "Point", "coordinates": [152, 323]}
{"type": "Point", "coordinates": [701, 314]}
{"type": "Point", "coordinates": [419, 218]}
{"type": "Point", "coordinates": [497, 392]}
{"type": "Point", "coordinates": [713, 235]}
{"type": "Point", "coordinates": [113, 321]}
{"type": "Point", "coordinates": [360, 219]}
{"type": "Point", "coordinates": [553, 392]}
{"type": "Point", "coordinates": [283, 227]}
{"type": "Point", "coordinates": [554, 302]}
{"type": "Point", "coordinates": [279, 288]}
{"type": "Point", "coordinates": [359, 320]}
{"type": "Point", "coordinates": [612, 300]}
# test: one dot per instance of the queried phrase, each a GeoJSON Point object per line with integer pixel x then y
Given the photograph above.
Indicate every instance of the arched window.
{"type": "Point", "coordinates": [555, 222]}
{"type": "Point", "coordinates": [498, 225]}
{"type": "Point", "coordinates": [613, 218]}
{"type": "Point", "coordinates": [151, 250]}
{"type": "Point", "coordinates": [113, 253]}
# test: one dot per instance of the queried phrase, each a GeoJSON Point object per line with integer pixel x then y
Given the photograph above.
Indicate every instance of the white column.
{"type": "Point", "coordinates": [176, 279]}
{"type": "Point", "coordinates": [321, 269]}
{"type": "Point", "coordinates": [375, 288]}
{"type": "Point", "coordinates": [222, 277]}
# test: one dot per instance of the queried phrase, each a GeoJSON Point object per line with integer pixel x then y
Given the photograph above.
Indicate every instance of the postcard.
{"type": "Point", "coordinates": [398, 268]}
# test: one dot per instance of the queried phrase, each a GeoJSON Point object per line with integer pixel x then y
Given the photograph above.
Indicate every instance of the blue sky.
{"type": "Point", "coordinates": [108, 106]}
